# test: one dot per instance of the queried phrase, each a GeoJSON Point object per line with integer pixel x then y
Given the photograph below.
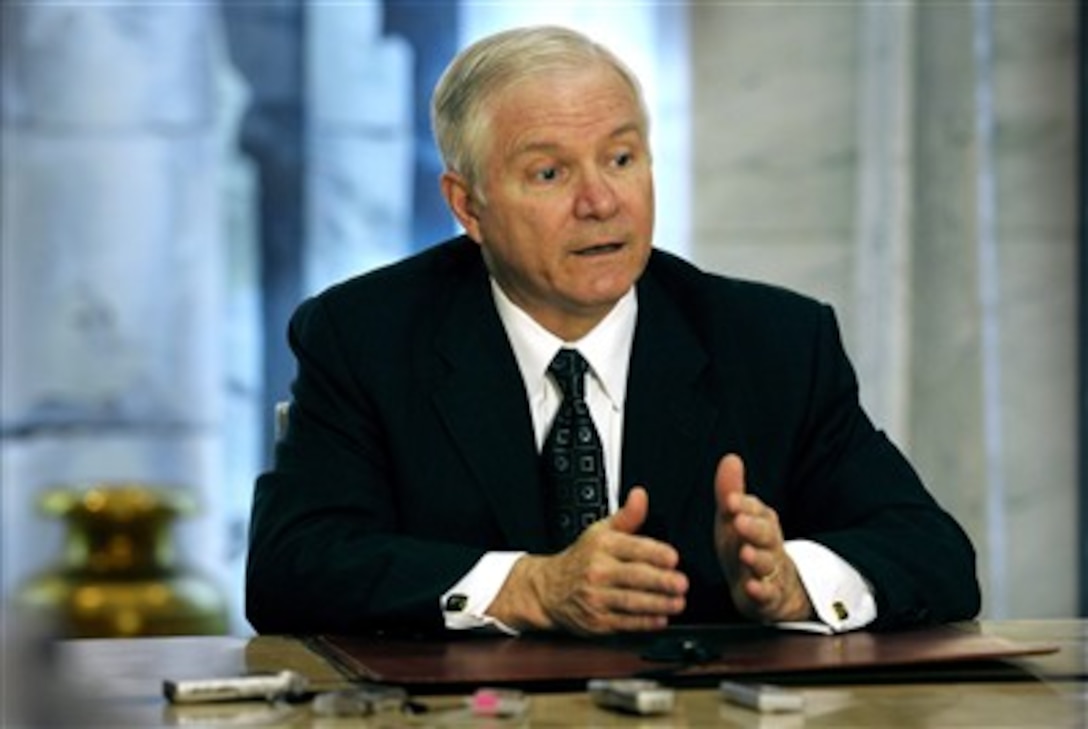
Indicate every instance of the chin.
{"type": "Point", "coordinates": [607, 296]}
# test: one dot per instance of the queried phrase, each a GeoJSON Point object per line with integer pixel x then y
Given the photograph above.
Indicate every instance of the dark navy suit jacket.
{"type": "Point", "coordinates": [409, 449]}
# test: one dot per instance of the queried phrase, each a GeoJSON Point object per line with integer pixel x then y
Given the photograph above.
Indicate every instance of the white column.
{"type": "Point", "coordinates": [359, 143]}
{"type": "Point", "coordinates": [110, 364]}
{"type": "Point", "coordinates": [989, 303]}
{"type": "Point", "coordinates": [883, 280]}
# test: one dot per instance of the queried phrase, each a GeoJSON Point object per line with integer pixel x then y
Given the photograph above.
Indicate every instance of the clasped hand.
{"type": "Point", "coordinates": [612, 579]}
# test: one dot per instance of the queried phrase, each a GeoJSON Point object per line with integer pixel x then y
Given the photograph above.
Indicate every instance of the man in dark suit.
{"type": "Point", "coordinates": [740, 478]}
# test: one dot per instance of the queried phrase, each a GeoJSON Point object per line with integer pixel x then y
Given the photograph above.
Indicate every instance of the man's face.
{"type": "Point", "coordinates": [566, 222]}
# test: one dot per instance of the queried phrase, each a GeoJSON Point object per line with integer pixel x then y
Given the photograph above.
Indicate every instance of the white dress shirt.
{"type": "Point", "coordinates": [840, 596]}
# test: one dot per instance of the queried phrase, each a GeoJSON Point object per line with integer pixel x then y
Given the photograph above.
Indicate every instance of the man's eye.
{"type": "Point", "coordinates": [548, 174]}
{"type": "Point", "coordinates": [623, 159]}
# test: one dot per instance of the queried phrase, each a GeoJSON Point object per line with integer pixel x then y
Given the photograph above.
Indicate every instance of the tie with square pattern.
{"type": "Point", "coordinates": [572, 455]}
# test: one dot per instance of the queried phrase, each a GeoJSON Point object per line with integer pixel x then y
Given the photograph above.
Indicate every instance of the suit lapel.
{"type": "Point", "coordinates": [669, 420]}
{"type": "Point", "coordinates": [486, 413]}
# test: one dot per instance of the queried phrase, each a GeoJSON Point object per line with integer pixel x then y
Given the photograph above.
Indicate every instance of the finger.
{"type": "Point", "coordinates": [607, 608]}
{"type": "Point", "coordinates": [631, 516]}
{"type": "Point", "coordinates": [763, 564]}
{"type": "Point", "coordinates": [729, 486]}
{"type": "Point", "coordinates": [636, 602]}
{"type": "Point", "coordinates": [639, 623]}
{"type": "Point", "coordinates": [759, 526]}
{"type": "Point", "coordinates": [618, 623]}
{"type": "Point", "coordinates": [633, 550]}
{"type": "Point", "coordinates": [649, 579]}
{"type": "Point", "coordinates": [762, 592]}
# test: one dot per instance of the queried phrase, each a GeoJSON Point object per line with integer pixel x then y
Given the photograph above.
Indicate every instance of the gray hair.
{"type": "Point", "coordinates": [494, 63]}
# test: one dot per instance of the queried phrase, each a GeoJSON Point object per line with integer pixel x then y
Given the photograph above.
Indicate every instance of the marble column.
{"type": "Point", "coordinates": [359, 142]}
{"type": "Point", "coordinates": [993, 364]}
{"type": "Point", "coordinates": [882, 277]}
{"type": "Point", "coordinates": [940, 221]}
{"type": "Point", "coordinates": [111, 362]}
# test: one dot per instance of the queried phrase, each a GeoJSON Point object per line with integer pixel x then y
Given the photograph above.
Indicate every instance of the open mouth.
{"type": "Point", "coordinates": [599, 250]}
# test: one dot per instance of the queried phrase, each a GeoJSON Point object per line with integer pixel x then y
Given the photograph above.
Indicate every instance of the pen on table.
{"type": "Point", "coordinates": [285, 685]}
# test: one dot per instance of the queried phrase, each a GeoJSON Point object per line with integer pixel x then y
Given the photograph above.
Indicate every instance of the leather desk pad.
{"type": "Point", "coordinates": [555, 662]}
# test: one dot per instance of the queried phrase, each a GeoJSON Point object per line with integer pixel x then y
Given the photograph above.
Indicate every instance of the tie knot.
{"type": "Point", "coordinates": [568, 368]}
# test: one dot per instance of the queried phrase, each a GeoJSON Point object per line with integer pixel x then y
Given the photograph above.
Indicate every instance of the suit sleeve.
{"type": "Point", "coordinates": [326, 551]}
{"type": "Point", "coordinates": [853, 491]}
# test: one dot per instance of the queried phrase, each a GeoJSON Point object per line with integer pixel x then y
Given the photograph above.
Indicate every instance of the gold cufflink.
{"type": "Point", "coordinates": [840, 610]}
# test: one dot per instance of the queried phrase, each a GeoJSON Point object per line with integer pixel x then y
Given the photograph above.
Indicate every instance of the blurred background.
{"type": "Point", "coordinates": [177, 176]}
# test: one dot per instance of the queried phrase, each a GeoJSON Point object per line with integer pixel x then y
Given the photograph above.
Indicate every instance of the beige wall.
{"type": "Point", "coordinates": [838, 150]}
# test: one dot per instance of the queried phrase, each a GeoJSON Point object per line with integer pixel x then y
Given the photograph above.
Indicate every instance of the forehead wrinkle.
{"type": "Point", "coordinates": [547, 129]}
{"type": "Point", "coordinates": [550, 147]}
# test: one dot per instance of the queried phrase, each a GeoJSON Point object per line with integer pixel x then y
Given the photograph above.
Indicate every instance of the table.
{"type": "Point", "coordinates": [118, 683]}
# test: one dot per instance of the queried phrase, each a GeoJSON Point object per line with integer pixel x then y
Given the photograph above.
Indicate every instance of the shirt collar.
{"type": "Point", "coordinates": [607, 347]}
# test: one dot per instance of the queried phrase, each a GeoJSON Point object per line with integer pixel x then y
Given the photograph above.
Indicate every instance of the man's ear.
{"type": "Point", "coordinates": [458, 194]}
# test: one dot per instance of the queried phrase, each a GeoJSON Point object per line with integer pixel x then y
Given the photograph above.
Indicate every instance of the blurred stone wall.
{"type": "Point", "coordinates": [112, 262]}
{"type": "Point", "coordinates": [175, 179]}
{"type": "Point", "coordinates": [913, 164]}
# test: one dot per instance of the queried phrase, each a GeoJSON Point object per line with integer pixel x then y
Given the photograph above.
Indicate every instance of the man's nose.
{"type": "Point", "coordinates": [596, 196]}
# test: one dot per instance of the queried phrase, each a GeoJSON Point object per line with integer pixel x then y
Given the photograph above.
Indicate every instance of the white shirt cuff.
{"type": "Point", "coordinates": [841, 597]}
{"type": "Point", "coordinates": [464, 605]}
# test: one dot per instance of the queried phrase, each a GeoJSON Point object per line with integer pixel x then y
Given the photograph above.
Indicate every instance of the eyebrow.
{"type": "Point", "coordinates": [619, 131]}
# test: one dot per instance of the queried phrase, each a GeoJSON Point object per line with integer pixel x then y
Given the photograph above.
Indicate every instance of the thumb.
{"type": "Point", "coordinates": [632, 514]}
{"type": "Point", "coordinates": [729, 480]}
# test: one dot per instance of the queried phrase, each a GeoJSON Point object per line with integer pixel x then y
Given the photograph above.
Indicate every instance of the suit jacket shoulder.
{"type": "Point", "coordinates": [413, 289]}
{"type": "Point", "coordinates": [749, 308]}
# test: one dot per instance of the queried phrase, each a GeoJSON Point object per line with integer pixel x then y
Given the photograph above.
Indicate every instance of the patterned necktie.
{"type": "Point", "coordinates": [573, 458]}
